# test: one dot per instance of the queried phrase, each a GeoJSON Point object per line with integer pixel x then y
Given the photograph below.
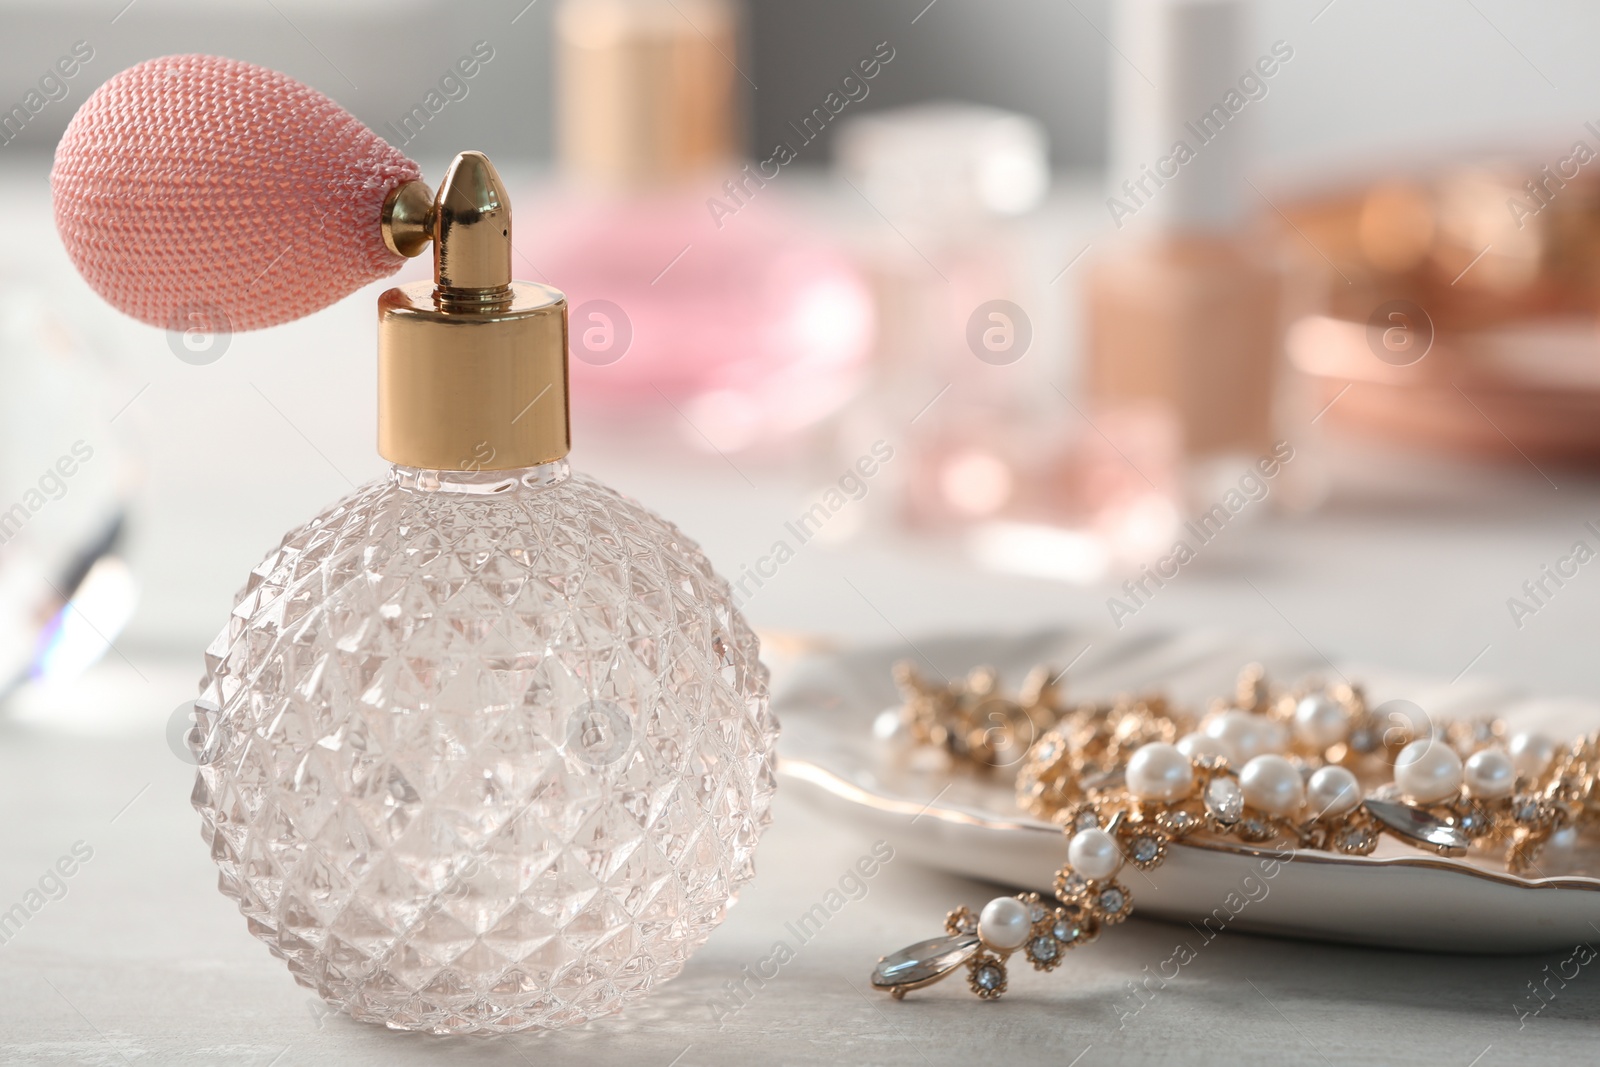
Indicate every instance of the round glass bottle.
{"type": "Point", "coordinates": [483, 749]}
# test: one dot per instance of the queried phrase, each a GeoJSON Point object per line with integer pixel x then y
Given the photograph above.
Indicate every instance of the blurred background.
{"type": "Point", "coordinates": [918, 316]}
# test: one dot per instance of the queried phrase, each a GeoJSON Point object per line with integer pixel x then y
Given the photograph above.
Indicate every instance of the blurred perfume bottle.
{"type": "Point", "coordinates": [1184, 303]}
{"type": "Point", "coordinates": [972, 383]}
{"type": "Point", "coordinates": [695, 291]}
{"type": "Point", "coordinates": [66, 476]}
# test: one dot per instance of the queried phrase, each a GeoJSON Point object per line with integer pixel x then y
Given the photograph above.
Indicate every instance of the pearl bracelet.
{"type": "Point", "coordinates": [1127, 778]}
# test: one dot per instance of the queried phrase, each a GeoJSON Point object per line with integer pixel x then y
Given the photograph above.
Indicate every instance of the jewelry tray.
{"type": "Point", "coordinates": [969, 824]}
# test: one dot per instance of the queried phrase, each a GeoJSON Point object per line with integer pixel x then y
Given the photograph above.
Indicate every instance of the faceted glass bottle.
{"type": "Point", "coordinates": [484, 751]}
{"type": "Point", "coordinates": [486, 745]}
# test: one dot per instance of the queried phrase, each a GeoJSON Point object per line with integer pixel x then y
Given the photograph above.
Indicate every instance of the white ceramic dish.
{"type": "Point", "coordinates": [1398, 897]}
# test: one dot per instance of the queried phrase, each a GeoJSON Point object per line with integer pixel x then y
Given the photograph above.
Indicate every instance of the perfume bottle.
{"type": "Point", "coordinates": [484, 746]}
{"type": "Point", "coordinates": [1184, 308]}
{"type": "Point", "coordinates": [698, 294]}
{"type": "Point", "coordinates": [66, 590]}
{"type": "Point", "coordinates": [970, 376]}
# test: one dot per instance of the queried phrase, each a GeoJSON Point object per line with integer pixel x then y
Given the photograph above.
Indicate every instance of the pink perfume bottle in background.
{"type": "Point", "coordinates": [695, 293]}
{"type": "Point", "coordinates": [973, 375]}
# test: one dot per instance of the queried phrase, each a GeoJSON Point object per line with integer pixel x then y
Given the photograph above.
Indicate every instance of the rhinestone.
{"type": "Point", "coordinates": [990, 976]}
{"type": "Point", "coordinates": [1036, 912]}
{"type": "Point", "coordinates": [1417, 826]}
{"type": "Point", "coordinates": [1527, 810]}
{"type": "Point", "coordinates": [1066, 931]}
{"type": "Point", "coordinates": [1087, 820]}
{"type": "Point", "coordinates": [1043, 949]}
{"type": "Point", "coordinates": [1179, 820]}
{"type": "Point", "coordinates": [1074, 883]}
{"type": "Point", "coordinates": [1357, 839]}
{"type": "Point", "coordinates": [1112, 901]}
{"type": "Point", "coordinates": [1225, 800]}
{"type": "Point", "coordinates": [1145, 849]}
{"type": "Point", "coordinates": [924, 960]}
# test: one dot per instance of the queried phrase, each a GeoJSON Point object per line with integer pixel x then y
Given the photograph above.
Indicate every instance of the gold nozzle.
{"type": "Point", "coordinates": [472, 368]}
{"type": "Point", "coordinates": [408, 218]}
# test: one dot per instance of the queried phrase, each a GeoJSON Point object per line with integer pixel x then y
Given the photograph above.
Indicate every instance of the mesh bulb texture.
{"type": "Point", "coordinates": [194, 192]}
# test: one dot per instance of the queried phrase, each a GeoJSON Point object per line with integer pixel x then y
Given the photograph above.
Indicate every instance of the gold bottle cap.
{"type": "Point", "coordinates": [472, 368]}
{"type": "Point", "coordinates": [645, 88]}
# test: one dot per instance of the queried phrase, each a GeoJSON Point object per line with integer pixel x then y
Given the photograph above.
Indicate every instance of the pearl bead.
{"type": "Point", "coordinates": [1159, 771]}
{"type": "Point", "coordinates": [1490, 774]}
{"type": "Point", "coordinates": [1556, 856]}
{"type": "Point", "coordinates": [1094, 854]}
{"type": "Point", "coordinates": [1320, 720]}
{"type": "Point", "coordinates": [1531, 753]}
{"type": "Point", "coordinates": [1273, 785]}
{"type": "Point", "coordinates": [889, 729]}
{"type": "Point", "coordinates": [1428, 771]}
{"type": "Point", "coordinates": [1004, 924]}
{"type": "Point", "coordinates": [1193, 745]}
{"type": "Point", "coordinates": [1333, 790]}
{"type": "Point", "coordinates": [1246, 734]}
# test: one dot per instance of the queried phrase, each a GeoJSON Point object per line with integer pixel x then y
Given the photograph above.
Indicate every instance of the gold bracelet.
{"type": "Point", "coordinates": [1127, 778]}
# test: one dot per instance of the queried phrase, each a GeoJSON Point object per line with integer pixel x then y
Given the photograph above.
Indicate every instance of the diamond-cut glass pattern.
{"type": "Point", "coordinates": [484, 762]}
